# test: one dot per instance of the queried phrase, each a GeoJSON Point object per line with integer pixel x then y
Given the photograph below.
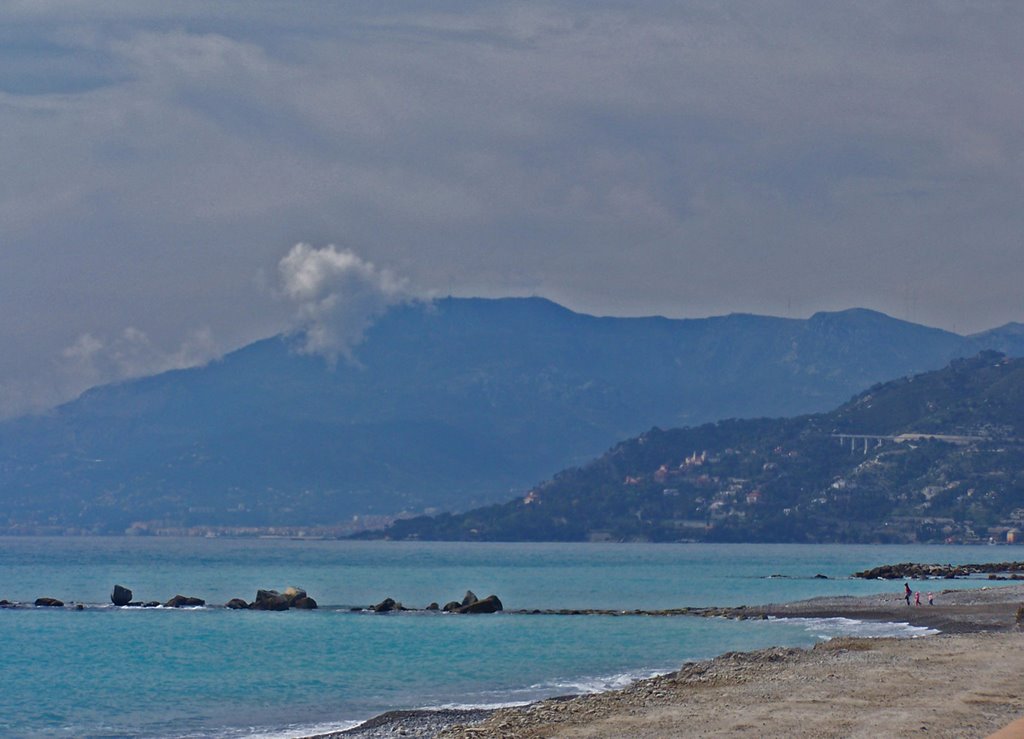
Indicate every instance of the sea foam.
{"type": "Point", "coordinates": [830, 628]}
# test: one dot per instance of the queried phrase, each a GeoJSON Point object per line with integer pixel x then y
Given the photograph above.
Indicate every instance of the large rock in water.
{"type": "Point", "coordinates": [270, 600]}
{"type": "Point", "coordinates": [236, 604]}
{"type": "Point", "coordinates": [184, 601]}
{"type": "Point", "coordinates": [121, 596]}
{"type": "Point", "coordinates": [297, 598]}
{"type": "Point", "coordinates": [490, 604]}
{"type": "Point", "coordinates": [387, 605]}
{"type": "Point", "coordinates": [49, 602]}
{"type": "Point", "coordinates": [469, 597]}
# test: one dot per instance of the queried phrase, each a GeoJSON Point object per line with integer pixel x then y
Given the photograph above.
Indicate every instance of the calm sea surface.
{"type": "Point", "coordinates": [199, 672]}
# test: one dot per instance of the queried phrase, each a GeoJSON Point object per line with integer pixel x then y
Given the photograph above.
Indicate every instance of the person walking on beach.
{"type": "Point", "coordinates": [906, 594]}
{"type": "Point", "coordinates": [917, 598]}
{"type": "Point", "coordinates": [931, 599]}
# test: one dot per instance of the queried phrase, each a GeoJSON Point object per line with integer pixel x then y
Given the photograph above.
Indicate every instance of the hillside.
{"type": "Point", "coordinates": [934, 457]}
{"type": "Point", "coordinates": [447, 405]}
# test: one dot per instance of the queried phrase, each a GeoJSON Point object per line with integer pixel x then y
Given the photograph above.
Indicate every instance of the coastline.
{"type": "Point", "coordinates": [963, 681]}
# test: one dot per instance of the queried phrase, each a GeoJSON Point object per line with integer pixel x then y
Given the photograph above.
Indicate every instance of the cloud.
{"type": "Point", "coordinates": [91, 360]}
{"type": "Point", "coordinates": [676, 158]}
{"type": "Point", "coordinates": [337, 296]}
{"type": "Point", "coordinates": [96, 359]}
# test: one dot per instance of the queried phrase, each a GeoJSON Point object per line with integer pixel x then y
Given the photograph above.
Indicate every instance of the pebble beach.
{"type": "Point", "coordinates": [961, 682]}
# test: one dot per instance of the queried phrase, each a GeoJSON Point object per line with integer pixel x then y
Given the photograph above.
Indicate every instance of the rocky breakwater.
{"type": "Point", "coordinates": [43, 602]}
{"type": "Point", "coordinates": [185, 601]}
{"type": "Point", "coordinates": [469, 604]}
{"type": "Point", "coordinates": [121, 597]}
{"type": "Point", "coordinates": [917, 571]}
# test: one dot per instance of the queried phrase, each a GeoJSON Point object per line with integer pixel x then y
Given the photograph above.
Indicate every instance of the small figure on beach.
{"type": "Point", "coordinates": [931, 599]}
{"type": "Point", "coordinates": [906, 594]}
{"type": "Point", "coordinates": [917, 598]}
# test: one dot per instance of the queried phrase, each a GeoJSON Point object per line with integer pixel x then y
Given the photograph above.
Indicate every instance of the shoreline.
{"type": "Point", "coordinates": [906, 688]}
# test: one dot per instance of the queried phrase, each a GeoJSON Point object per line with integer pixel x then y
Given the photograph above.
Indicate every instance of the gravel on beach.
{"type": "Point", "coordinates": [964, 682]}
{"type": "Point", "coordinates": [417, 723]}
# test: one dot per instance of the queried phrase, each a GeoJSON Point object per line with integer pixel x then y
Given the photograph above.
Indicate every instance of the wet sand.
{"type": "Point", "coordinates": [965, 682]}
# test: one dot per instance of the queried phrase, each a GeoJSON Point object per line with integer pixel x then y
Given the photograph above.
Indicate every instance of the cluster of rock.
{"type": "Point", "coordinates": [913, 570]}
{"type": "Point", "coordinates": [45, 602]}
{"type": "Point", "coordinates": [272, 600]}
{"type": "Point", "coordinates": [122, 596]}
{"type": "Point", "coordinates": [266, 600]}
{"type": "Point", "coordinates": [39, 602]}
{"type": "Point", "coordinates": [470, 604]}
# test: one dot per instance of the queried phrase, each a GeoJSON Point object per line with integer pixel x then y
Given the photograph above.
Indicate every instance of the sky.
{"type": "Point", "coordinates": [179, 179]}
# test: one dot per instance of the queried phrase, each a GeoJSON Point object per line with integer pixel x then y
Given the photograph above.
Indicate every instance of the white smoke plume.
{"type": "Point", "coordinates": [337, 295]}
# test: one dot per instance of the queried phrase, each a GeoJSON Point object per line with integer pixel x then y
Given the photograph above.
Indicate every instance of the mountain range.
{"type": "Point", "coordinates": [444, 405]}
{"type": "Point", "coordinates": [937, 457]}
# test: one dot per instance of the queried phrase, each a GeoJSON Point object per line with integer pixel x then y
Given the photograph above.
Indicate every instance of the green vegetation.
{"type": "Point", "coordinates": [935, 457]}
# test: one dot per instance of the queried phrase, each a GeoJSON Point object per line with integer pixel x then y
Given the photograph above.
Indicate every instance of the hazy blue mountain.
{"type": "Point", "coordinates": [449, 404]}
{"type": "Point", "coordinates": [1008, 339]}
{"type": "Point", "coordinates": [932, 457]}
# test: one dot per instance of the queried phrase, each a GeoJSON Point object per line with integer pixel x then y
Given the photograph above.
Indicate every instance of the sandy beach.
{"type": "Point", "coordinates": [964, 682]}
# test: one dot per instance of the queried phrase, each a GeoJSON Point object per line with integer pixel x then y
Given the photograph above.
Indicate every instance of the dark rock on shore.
{"type": "Point", "coordinates": [184, 601]}
{"type": "Point", "coordinates": [913, 570]}
{"type": "Point", "coordinates": [121, 596]}
{"type": "Point", "coordinates": [421, 723]}
{"type": "Point", "coordinates": [452, 605]}
{"type": "Point", "coordinates": [236, 604]}
{"type": "Point", "coordinates": [49, 602]}
{"type": "Point", "coordinates": [433, 607]}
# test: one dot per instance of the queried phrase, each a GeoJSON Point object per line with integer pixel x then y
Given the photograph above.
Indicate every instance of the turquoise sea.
{"type": "Point", "coordinates": [107, 671]}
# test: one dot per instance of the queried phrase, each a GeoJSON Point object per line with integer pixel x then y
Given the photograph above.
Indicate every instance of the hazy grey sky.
{"type": "Point", "coordinates": [160, 160]}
